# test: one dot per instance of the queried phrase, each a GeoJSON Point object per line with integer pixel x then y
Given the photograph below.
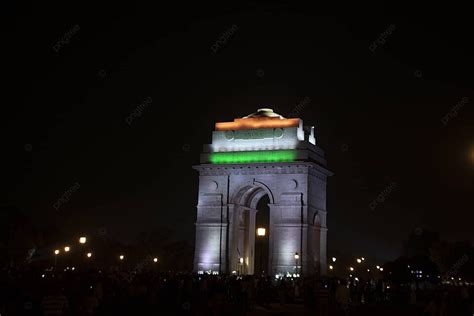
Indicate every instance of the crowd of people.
{"type": "Point", "coordinates": [118, 292]}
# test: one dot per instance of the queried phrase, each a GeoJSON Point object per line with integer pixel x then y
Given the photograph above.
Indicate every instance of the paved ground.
{"type": "Point", "coordinates": [300, 309]}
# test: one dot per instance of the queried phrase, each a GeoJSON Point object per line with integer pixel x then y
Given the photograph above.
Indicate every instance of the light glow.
{"type": "Point", "coordinates": [256, 123]}
{"type": "Point", "coordinates": [67, 248]}
{"type": "Point", "coordinates": [82, 240]}
{"type": "Point", "coordinates": [261, 231]}
{"type": "Point", "coordinates": [89, 254]}
{"type": "Point", "coordinates": [253, 156]}
{"type": "Point", "coordinates": [56, 252]}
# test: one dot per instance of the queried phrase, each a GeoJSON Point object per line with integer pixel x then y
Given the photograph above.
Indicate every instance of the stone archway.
{"type": "Point", "coordinates": [257, 155]}
{"type": "Point", "coordinates": [243, 232]}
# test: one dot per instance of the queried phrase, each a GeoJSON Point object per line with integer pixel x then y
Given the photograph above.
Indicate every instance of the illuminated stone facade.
{"type": "Point", "coordinates": [262, 154]}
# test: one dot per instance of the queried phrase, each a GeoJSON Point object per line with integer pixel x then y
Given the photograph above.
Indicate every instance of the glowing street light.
{"type": "Point", "coordinates": [331, 267]}
{"type": "Point", "coordinates": [82, 240]}
{"type": "Point", "coordinates": [378, 267]}
{"type": "Point", "coordinates": [67, 248]}
{"type": "Point", "coordinates": [261, 231]}
{"type": "Point", "coordinates": [351, 268]}
{"type": "Point", "coordinates": [333, 259]}
{"type": "Point", "coordinates": [121, 257]}
{"type": "Point", "coordinates": [359, 260]}
{"type": "Point", "coordinates": [368, 270]}
{"type": "Point", "coordinates": [363, 259]}
{"type": "Point", "coordinates": [297, 256]}
{"type": "Point", "coordinates": [56, 253]}
{"type": "Point", "coordinates": [155, 259]}
{"type": "Point", "coordinates": [89, 254]}
{"type": "Point", "coordinates": [381, 269]}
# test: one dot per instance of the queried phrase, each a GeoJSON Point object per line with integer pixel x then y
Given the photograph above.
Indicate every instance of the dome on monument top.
{"type": "Point", "coordinates": [264, 112]}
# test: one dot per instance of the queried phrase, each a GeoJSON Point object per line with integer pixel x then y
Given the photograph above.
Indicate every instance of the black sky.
{"type": "Point", "coordinates": [377, 114]}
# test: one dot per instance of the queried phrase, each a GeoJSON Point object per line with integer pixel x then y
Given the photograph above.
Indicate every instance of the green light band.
{"type": "Point", "coordinates": [253, 156]}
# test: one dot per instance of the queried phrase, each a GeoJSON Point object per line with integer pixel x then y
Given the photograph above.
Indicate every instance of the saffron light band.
{"type": "Point", "coordinates": [256, 123]}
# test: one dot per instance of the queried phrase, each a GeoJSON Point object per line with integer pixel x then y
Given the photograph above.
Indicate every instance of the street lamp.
{"type": "Point", "coordinates": [378, 267]}
{"type": "Point", "coordinates": [241, 261]}
{"type": "Point", "coordinates": [333, 259]}
{"type": "Point", "coordinates": [82, 240]}
{"type": "Point", "coordinates": [67, 248]}
{"type": "Point", "coordinates": [351, 268]}
{"type": "Point", "coordinates": [331, 267]}
{"type": "Point", "coordinates": [121, 257]}
{"type": "Point", "coordinates": [297, 256]}
{"type": "Point", "coordinates": [89, 254]}
{"type": "Point", "coordinates": [56, 253]}
{"type": "Point", "coordinates": [261, 232]}
{"type": "Point", "coordinates": [359, 260]}
{"type": "Point", "coordinates": [155, 259]}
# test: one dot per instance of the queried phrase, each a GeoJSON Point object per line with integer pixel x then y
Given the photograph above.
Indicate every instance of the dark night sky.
{"type": "Point", "coordinates": [377, 115]}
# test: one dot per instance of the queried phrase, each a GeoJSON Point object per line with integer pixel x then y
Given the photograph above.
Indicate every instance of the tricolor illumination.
{"type": "Point", "coordinates": [257, 123]}
{"type": "Point", "coordinates": [253, 156]}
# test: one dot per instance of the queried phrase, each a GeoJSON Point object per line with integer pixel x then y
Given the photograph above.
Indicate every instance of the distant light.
{"type": "Point", "coordinates": [356, 278]}
{"type": "Point", "coordinates": [351, 268]}
{"type": "Point", "coordinates": [89, 254]}
{"type": "Point", "coordinates": [155, 259]}
{"type": "Point", "coordinates": [359, 260]}
{"type": "Point", "coordinates": [261, 231]}
{"type": "Point", "coordinates": [408, 266]}
{"type": "Point", "coordinates": [363, 259]}
{"type": "Point", "coordinates": [121, 257]}
{"type": "Point", "coordinates": [378, 267]}
{"type": "Point", "coordinates": [381, 269]}
{"type": "Point", "coordinates": [42, 275]}
{"type": "Point", "coordinates": [241, 260]}
{"type": "Point", "coordinates": [368, 270]}
{"type": "Point", "coordinates": [297, 256]}
{"type": "Point", "coordinates": [73, 268]}
{"type": "Point", "coordinates": [56, 252]}
{"type": "Point", "coordinates": [331, 267]}
{"type": "Point", "coordinates": [82, 240]}
{"type": "Point", "coordinates": [333, 259]}
{"type": "Point", "coordinates": [67, 248]}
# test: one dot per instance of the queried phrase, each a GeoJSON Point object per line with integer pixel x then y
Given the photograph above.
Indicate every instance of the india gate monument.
{"type": "Point", "coordinates": [262, 198]}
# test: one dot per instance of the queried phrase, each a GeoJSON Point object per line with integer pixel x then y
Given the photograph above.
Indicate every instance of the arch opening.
{"type": "Point", "coordinates": [262, 222]}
